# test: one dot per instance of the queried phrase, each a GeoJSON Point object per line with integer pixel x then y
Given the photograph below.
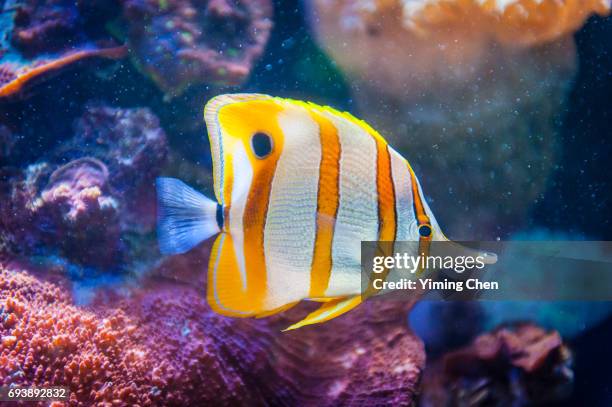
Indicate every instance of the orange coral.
{"type": "Point", "coordinates": [511, 22]}
{"type": "Point", "coordinates": [47, 341]}
{"type": "Point", "coordinates": [402, 43]}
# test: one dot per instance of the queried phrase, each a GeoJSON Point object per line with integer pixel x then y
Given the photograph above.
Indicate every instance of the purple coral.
{"type": "Point", "coordinates": [77, 207]}
{"type": "Point", "coordinates": [133, 146]}
{"type": "Point", "coordinates": [44, 26]}
{"type": "Point", "coordinates": [130, 140]}
{"type": "Point", "coordinates": [83, 208]}
{"type": "Point", "coordinates": [181, 42]}
{"type": "Point", "coordinates": [175, 42]}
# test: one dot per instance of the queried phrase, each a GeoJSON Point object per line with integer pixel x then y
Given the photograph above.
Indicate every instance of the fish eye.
{"type": "Point", "coordinates": [425, 230]}
{"type": "Point", "coordinates": [261, 143]}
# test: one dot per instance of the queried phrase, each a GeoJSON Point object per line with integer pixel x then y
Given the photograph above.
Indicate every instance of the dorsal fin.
{"type": "Point", "coordinates": [337, 113]}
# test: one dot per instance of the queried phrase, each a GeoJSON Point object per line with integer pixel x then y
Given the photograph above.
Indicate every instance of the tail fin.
{"type": "Point", "coordinates": [184, 216]}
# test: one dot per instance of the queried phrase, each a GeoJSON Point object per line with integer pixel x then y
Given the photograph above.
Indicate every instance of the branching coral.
{"type": "Point", "coordinates": [470, 91]}
{"type": "Point", "coordinates": [164, 346]}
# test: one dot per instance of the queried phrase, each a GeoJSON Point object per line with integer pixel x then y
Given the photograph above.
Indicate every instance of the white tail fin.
{"type": "Point", "coordinates": [185, 217]}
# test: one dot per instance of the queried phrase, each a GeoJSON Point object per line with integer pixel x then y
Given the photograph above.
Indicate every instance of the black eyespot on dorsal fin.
{"type": "Point", "coordinates": [424, 230]}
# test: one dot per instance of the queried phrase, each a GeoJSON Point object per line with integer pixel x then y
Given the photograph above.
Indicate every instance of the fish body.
{"type": "Point", "coordinates": [298, 187]}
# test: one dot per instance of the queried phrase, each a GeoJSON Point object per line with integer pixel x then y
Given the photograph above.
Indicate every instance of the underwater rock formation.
{"type": "Point", "coordinates": [469, 91]}
{"type": "Point", "coordinates": [163, 345]}
{"type": "Point", "coordinates": [181, 42]}
{"type": "Point", "coordinates": [39, 38]}
{"type": "Point", "coordinates": [85, 207]}
{"type": "Point", "coordinates": [513, 365]}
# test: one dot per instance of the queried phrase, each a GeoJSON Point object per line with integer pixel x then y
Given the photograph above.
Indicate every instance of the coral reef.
{"type": "Point", "coordinates": [514, 365]}
{"type": "Point", "coordinates": [76, 206]}
{"type": "Point", "coordinates": [177, 43]}
{"type": "Point", "coordinates": [181, 42]}
{"type": "Point", "coordinates": [164, 346]}
{"type": "Point", "coordinates": [46, 37]}
{"type": "Point", "coordinates": [460, 87]}
{"type": "Point", "coordinates": [134, 147]}
{"type": "Point", "coordinates": [87, 206]}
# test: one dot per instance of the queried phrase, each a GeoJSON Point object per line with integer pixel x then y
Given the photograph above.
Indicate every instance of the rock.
{"type": "Point", "coordinates": [513, 365]}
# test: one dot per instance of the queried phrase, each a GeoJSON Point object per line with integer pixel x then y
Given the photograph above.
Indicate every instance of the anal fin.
{"type": "Point", "coordinates": [227, 291]}
{"type": "Point", "coordinates": [325, 299]}
{"type": "Point", "coordinates": [327, 311]}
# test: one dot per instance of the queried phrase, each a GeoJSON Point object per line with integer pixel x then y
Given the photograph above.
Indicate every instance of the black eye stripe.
{"type": "Point", "coordinates": [261, 144]}
{"type": "Point", "coordinates": [219, 216]}
{"type": "Point", "coordinates": [425, 230]}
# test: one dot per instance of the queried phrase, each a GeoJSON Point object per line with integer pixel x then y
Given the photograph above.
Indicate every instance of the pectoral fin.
{"type": "Point", "coordinates": [327, 311]}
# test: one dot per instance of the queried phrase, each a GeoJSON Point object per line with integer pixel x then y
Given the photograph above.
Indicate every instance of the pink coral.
{"type": "Point", "coordinates": [164, 346]}
{"type": "Point", "coordinates": [80, 183]}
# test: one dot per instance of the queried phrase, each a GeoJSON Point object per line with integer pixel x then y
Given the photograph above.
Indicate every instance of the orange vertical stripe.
{"type": "Point", "coordinates": [328, 200]}
{"type": "Point", "coordinates": [387, 219]}
{"type": "Point", "coordinates": [258, 115]}
{"type": "Point", "coordinates": [254, 223]}
{"type": "Point", "coordinates": [422, 218]}
{"type": "Point", "coordinates": [387, 216]}
{"type": "Point", "coordinates": [419, 209]}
